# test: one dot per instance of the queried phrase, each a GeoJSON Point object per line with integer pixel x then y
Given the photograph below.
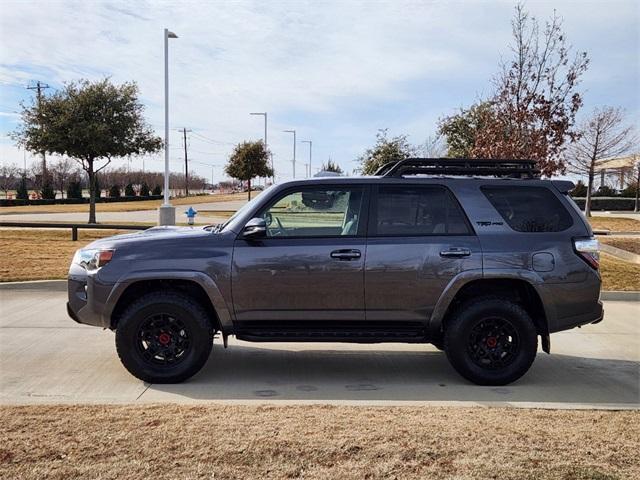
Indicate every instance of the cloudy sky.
{"type": "Point", "coordinates": [336, 71]}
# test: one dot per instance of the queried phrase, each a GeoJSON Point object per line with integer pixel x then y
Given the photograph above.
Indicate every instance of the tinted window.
{"type": "Point", "coordinates": [418, 210]}
{"type": "Point", "coordinates": [529, 209]}
{"type": "Point", "coordinates": [315, 212]}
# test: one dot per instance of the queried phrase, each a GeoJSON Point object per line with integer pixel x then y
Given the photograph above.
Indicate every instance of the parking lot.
{"type": "Point", "coordinates": [47, 358]}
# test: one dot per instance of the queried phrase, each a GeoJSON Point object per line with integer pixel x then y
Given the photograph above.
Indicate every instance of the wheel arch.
{"type": "Point", "coordinates": [196, 285]}
{"type": "Point", "coordinates": [520, 288]}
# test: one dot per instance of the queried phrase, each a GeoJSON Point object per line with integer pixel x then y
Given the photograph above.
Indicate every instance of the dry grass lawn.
{"type": "Point", "coordinates": [615, 224]}
{"type": "Point", "coordinates": [316, 442]}
{"type": "Point", "coordinates": [618, 274]}
{"type": "Point", "coordinates": [126, 206]}
{"type": "Point", "coordinates": [629, 244]}
{"type": "Point", "coordinates": [31, 254]}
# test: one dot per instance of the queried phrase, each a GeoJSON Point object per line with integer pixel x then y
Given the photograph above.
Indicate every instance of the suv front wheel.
{"type": "Point", "coordinates": [491, 341]}
{"type": "Point", "coordinates": [164, 337]}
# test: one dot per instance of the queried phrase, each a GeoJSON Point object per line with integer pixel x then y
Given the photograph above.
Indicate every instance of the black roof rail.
{"type": "Point", "coordinates": [460, 167]}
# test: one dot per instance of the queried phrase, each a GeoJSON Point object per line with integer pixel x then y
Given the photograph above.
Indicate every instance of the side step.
{"type": "Point", "coordinates": [356, 332]}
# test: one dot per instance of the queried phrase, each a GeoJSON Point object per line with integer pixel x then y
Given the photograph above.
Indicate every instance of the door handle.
{"type": "Point", "coordinates": [455, 252]}
{"type": "Point", "coordinates": [346, 254]}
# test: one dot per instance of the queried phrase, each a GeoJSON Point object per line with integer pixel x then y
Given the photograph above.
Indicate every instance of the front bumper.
{"type": "Point", "coordinates": [87, 298]}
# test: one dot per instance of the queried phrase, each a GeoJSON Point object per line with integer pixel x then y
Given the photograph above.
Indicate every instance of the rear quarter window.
{"type": "Point", "coordinates": [529, 209]}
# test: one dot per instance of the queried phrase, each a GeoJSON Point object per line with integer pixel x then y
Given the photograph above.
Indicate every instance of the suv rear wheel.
{"type": "Point", "coordinates": [164, 337]}
{"type": "Point", "coordinates": [491, 341]}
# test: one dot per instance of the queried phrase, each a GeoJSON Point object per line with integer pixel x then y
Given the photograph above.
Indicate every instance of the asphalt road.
{"type": "Point", "coordinates": [47, 358]}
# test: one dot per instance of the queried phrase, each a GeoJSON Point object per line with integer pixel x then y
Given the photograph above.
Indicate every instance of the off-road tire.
{"type": "Point", "coordinates": [461, 334]}
{"type": "Point", "coordinates": [196, 325]}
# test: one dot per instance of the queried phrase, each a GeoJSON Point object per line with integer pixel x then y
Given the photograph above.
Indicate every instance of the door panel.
{"type": "Point", "coordinates": [419, 240]}
{"type": "Point", "coordinates": [405, 276]}
{"type": "Point", "coordinates": [310, 266]}
{"type": "Point", "coordinates": [298, 279]}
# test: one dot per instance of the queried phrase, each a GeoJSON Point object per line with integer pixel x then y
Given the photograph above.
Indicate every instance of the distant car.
{"type": "Point", "coordinates": [479, 258]}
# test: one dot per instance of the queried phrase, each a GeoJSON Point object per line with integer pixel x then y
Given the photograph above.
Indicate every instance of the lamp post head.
{"type": "Point", "coordinates": [171, 34]}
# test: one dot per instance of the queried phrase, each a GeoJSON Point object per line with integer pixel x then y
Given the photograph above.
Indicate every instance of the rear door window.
{"type": "Point", "coordinates": [529, 209]}
{"type": "Point", "coordinates": [417, 210]}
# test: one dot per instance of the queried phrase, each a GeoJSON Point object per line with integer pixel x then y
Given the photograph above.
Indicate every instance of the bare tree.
{"type": "Point", "coordinates": [602, 135]}
{"type": "Point", "coordinates": [60, 172]}
{"type": "Point", "coordinates": [433, 147]}
{"type": "Point", "coordinates": [8, 177]}
{"type": "Point", "coordinates": [532, 112]}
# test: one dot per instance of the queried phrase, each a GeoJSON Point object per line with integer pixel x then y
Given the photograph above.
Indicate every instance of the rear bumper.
{"type": "Point", "coordinates": [595, 315]}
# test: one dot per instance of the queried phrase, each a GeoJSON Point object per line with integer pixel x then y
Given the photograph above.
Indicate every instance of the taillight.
{"type": "Point", "coordinates": [589, 250]}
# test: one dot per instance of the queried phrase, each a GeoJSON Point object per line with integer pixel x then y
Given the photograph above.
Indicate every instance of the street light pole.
{"type": "Point", "coordinates": [310, 147]}
{"type": "Point", "coordinates": [294, 150]}
{"type": "Point", "coordinates": [273, 177]}
{"type": "Point", "coordinates": [166, 213]}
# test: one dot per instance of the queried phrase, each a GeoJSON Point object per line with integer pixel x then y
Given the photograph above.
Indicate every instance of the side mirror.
{"type": "Point", "coordinates": [255, 228]}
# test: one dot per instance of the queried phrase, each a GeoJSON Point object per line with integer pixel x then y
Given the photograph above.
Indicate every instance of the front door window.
{"type": "Point", "coordinates": [316, 212]}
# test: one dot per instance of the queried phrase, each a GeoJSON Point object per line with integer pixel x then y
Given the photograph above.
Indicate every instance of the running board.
{"type": "Point", "coordinates": [364, 332]}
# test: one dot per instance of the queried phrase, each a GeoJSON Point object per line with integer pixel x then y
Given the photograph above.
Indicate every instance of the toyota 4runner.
{"type": "Point", "coordinates": [477, 257]}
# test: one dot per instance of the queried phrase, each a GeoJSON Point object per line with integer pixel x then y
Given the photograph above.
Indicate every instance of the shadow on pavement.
{"type": "Point", "coordinates": [249, 373]}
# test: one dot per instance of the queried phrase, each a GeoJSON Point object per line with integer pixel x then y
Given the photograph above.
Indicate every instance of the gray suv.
{"type": "Point", "coordinates": [479, 258]}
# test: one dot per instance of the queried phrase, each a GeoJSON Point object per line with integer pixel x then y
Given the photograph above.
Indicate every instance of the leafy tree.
{"type": "Point", "coordinates": [331, 166]}
{"type": "Point", "coordinates": [603, 191]}
{"type": "Point", "coordinates": [157, 190]}
{"type": "Point", "coordinates": [580, 190]}
{"type": "Point", "coordinates": [602, 135]}
{"type": "Point", "coordinates": [129, 191]}
{"type": "Point", "coordinates": [114, 191]}
{"type": "Point", "coordinates": [22, 193]}
{"type": "Point", "coordinates": [90, 122]}
{"type": "Point", "coordinates": [249, 160]}
{"type": "Point", "coordinates": [144, 190]}
{"type": "Point", "coordinates": [74, 190]}
{"type": "Point", "coordinates": [384, 151]}
{"type": "Point", "coordinates": [461, 130]}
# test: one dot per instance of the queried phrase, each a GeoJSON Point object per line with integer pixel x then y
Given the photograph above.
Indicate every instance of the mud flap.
{"type": "Point", "coordinates": [546, 343]}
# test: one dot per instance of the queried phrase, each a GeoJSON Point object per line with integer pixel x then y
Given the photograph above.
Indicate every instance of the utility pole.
{"type": "Point", "coordinates": [310, 147]}
{"type": "Point", "coordinates": [38, 87]}
{"type": "Point", "coordinates": [264, 114]}
{"type": "Point", "coordinates": [186, 162]}
{"type": "Point", "coordinates": [166, 212]}
{"type": "Point", "coordinates": [294, 150]}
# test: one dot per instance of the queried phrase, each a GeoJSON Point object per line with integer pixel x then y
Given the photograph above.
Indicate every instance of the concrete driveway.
{"type": "Point", "coordinates": [47, 358]}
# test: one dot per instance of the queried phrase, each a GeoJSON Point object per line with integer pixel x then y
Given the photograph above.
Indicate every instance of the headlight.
{"type": "Point", "coordinates": [93, 259]}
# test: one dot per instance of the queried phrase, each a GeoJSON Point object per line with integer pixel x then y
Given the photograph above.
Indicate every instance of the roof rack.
{"type": "Point", "coordinates": [460, 167]}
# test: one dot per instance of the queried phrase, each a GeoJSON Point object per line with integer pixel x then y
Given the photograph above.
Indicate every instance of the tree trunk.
{"type": "Point", "coordinates": [587, 201]}
{"type": "Point", "coordinates": [249, 190]}
{"type": "Point", "coordinates": [92, 193]}
{"type": "Point", "coordinates": [637, 207]}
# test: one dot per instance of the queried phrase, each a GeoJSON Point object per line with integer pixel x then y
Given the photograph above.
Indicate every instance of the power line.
{"type": "Point", "coordinates": [211, 140]}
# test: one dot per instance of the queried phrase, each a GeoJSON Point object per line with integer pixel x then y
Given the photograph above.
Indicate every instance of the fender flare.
{"type": "Point", "coordinates": [468, 276]}
{"type": "Point", "coordinates": [206, 282]}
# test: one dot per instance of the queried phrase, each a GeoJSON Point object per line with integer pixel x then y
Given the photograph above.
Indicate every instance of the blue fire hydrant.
{"type": "Point", "coordinates": [191, 214]}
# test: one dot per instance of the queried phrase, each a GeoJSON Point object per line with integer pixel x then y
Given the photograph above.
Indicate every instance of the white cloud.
{"type": "Point", "coordinates": [311, 65]}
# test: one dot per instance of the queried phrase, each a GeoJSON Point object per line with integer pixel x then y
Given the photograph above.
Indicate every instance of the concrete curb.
{"type": "Point", "coordinates": [61, 286]}
{"type": "Point", "coordinates": [620, 296]}
{"type": "Point", "coordinates": [49, 285]}
{"type": "Point", "coordinates": [620, 253]}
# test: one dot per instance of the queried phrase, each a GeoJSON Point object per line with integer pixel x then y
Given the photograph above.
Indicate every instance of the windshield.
{"type": "Point", "coordinates": [243, 209]}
